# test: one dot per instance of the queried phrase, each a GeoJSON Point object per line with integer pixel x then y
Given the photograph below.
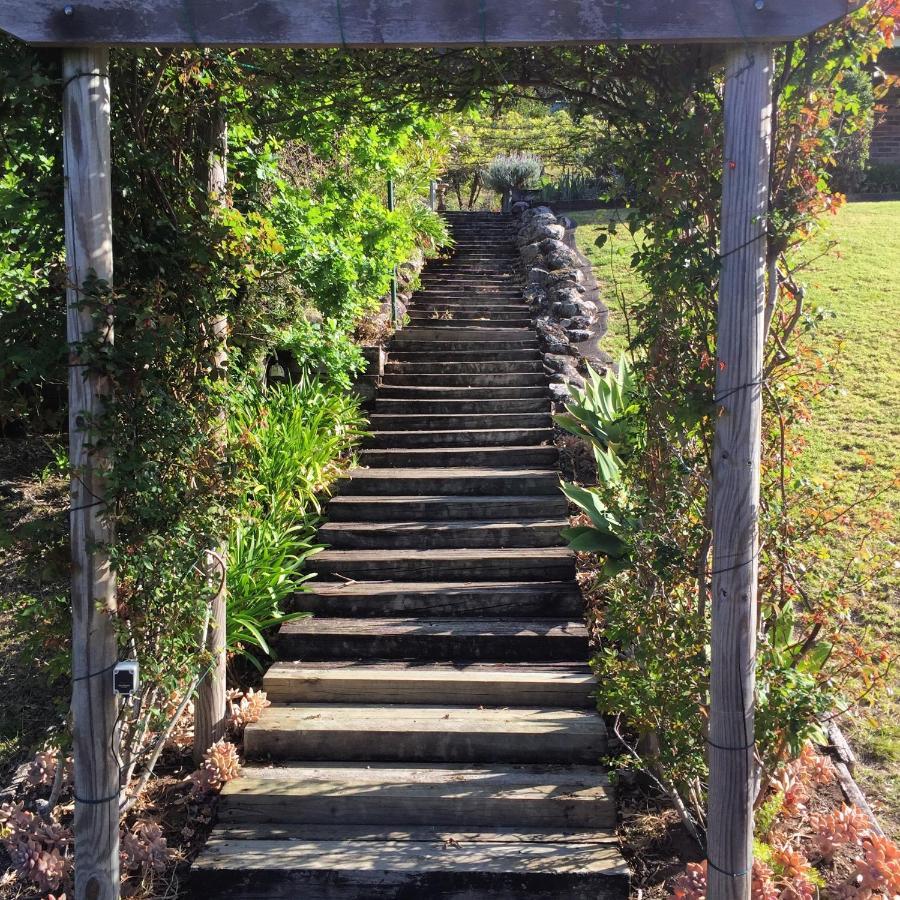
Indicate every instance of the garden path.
{"type": "Point", "coordinates": [432, 732]}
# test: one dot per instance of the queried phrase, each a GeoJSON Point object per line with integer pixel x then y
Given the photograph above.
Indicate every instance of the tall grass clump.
{"type": "Point", "coordinates": [295, 440]}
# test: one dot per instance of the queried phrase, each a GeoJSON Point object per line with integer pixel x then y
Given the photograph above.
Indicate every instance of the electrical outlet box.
{"type": "Point", "coordinates": [126, 677]}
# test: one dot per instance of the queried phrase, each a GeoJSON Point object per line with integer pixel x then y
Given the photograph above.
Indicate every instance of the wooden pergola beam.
{"type": "Point", "coordinates": [411, 23]}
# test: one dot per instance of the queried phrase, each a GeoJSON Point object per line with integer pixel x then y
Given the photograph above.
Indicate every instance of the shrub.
{"type": "Point", "coordinates": [881, 178]}
{"type": "Point", "coordinates": [322, 349]}
{"type": "Point", "coordinates": [505, 174]}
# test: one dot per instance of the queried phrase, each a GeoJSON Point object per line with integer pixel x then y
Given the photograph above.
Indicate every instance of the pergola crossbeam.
{"type": "Point", "coordinates": [411, 23]}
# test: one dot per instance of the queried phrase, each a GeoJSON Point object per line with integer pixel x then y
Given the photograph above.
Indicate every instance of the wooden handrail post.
{"type": "Point", "coordinates": [88, 216]}
{"type": "Point", "coordinates": [736, 469]}
{"type": "Point", "coordinates": [209, 710]}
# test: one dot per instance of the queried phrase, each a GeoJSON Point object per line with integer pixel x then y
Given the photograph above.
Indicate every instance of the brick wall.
{"type": "Point", "coordinates": [886, 136]}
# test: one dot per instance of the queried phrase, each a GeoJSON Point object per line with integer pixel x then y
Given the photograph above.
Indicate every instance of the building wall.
{"type": "Point", "coordinates": [886, 136]}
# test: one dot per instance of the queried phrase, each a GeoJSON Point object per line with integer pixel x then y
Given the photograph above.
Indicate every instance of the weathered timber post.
{"type": "Point", "coordinates": [209, 710]}
{"type": "Point", "coordinates": [736, 465]}
{"type": "Point", "coordinates": [394, 273]}
{"type": "Point", "coordinates": [88, 213]}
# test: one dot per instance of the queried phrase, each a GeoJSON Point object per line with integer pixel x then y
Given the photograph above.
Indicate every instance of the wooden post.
{"type": "Point", "coordinates": [394, 273]}
{"type": "Point", "coordinates": [209, 710]}
{"type": "Point", "coordinates": [88, 212]}
{"type": "Point", "coordinates": [736, 464]}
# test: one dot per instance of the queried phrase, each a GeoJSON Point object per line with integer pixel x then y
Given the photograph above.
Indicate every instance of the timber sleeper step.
{"type": "Point", "coordinates": [482, 684]}
{"type": "Point", "coordinates": [448, 375]}
{"type": "Point", "coordinates": [355, 732]}
{"type": "Point", "coordinates": [536, 564]}
{"type": "Point", "coordinates": [477, 639]}
{"type": "Point", "coordinates": [443, 599]}
{"type": "Point", "coordinates": [477, 333]}
{"type": "Point", "coordinates": [390, 391]}
{"type": "Point", "coordinates": [441, 507]}
{"type": "Point", "coordinates": [475, 406]}
{"type": "Point", "coordinates": [440, 345]}
{"type": "Point", "coordinates": [431, 535]}
{"type": "Point", "coordinates": [350, 870]}
{"type": "Point", "coordinates": [461, 456]}
{"type": "Point", "coordinates": [463, 355]}
{"type": "Point", "coordinates": [458, 421]}
{"type": "Point", "coordinates": [456, 481]}
{"type": "Point", "coordinates": [468, 797]}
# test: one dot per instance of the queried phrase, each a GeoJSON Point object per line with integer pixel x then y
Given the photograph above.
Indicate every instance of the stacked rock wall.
{"type": "Point", "coordinates": [562, 294]}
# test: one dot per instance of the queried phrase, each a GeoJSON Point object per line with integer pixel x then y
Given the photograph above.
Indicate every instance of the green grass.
{"type": "Point", "coordinates": [854, 444]}
{"type": "Point", "coordinates": [854, 437]}
{"type": "Point", "coordinates": [619, 284]}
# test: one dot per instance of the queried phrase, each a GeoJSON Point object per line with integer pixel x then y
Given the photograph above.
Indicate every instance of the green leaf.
{"type": "Point", "coordinates": [783, 629]}
{"type": "Point", "coordinates": [593, 540]}
{"type": "Point", "coordinates": [816, 658]}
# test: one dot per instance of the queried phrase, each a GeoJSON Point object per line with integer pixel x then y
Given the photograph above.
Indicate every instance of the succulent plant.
{"type": "Point", "coordinates": [220, 765]}
{"type": "Point", "coordinates": [691, 883]}
{"type": "Point", "coordinates": [790, 862]}
{"type": "Point", "coordinates": [145, 848]}
{"type": "Point", "coordinates": [788, 783]}
{"type": "Point", "coordinates": [38, 849]}
{"type": "Point", "coordinates": [878, 871]}
{"type": "Point", "coordinates": [246, 708]}
{"type": "Point", "coordinates": [42, 770]}
{"type": "Point", "coordinates": [845, 827]}
{"type": "Point", "coordinates": [762, 884]}
{"type": "Point", "coordinates": [813, 767]}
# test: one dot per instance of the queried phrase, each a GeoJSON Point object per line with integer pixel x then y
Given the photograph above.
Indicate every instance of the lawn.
{"type": "Point", "coordinates": [854, 438]}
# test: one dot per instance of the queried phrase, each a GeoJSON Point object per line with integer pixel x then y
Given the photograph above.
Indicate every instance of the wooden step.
{"type": "Point", "coordinates": [455, 324]}
{"type": "Point", "coordinates": [475, 437]}
{"type": "Point", "coordinates": [441, 345]}
{"type": "Point", "coordinates": [461, 375]}
{"type": "Point", "coordinates": [434, 869]}
{"type": "Point", "coordinates": [435, 374]}
{"type": "Point", "coordinates": [476, 406]}
{"type": "Point", "coordinates": [481, 684]}
{"type": "Point", "coordinates": [479, 638]}
{"type": "Point", "coordinates": [507, 279]}
{"type": "Point", "coordinates": [432, 508]}
{"type": "Point", "coordinates": [458, 421]}
{"type": "Point", "coordinates": [461, 456]}
{"type": "Point", "coordinates": [465, 797]}
{"type": "Point", "coordinates": [477, 333]}
{"type": "Point", "coordinates": [545, 564]}
{"type": "Point", "coordinates": [505, 317]}
{"type": "Point", "coordinates": [457, 481]}
{"type": "Point", "coordinates": [431, 535]}
{"type": "Point", "coordinates": [478, 298]}
{"type": "Point", "coordinates": [391, 391]}
{"type": "Point", "coordinates": [356, 732]}
{"type": "Point", "coordinates": [463, 355]}
{"type": "Point", "coordinates": [376, 599]}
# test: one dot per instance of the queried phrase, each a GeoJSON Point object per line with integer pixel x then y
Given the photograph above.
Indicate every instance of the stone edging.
{"type": "Point", "coordinates": [562, 294]}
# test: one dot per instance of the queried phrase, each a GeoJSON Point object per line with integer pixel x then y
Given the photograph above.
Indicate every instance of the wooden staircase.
{"type": "Point", "coordinates": [432, 733]}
